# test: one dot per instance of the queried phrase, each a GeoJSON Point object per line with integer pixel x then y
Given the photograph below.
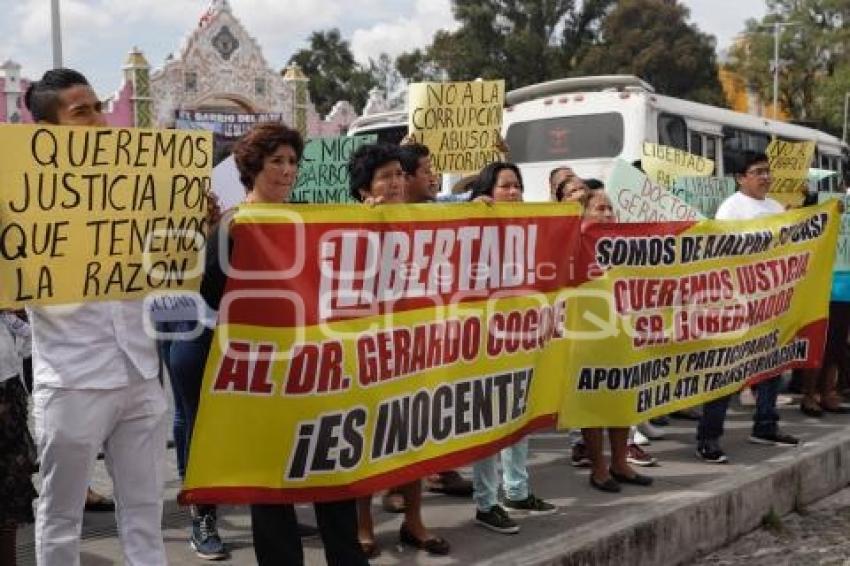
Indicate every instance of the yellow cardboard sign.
{"type": "Point", "coordinates": [789, 169]}
{"type": "Point", "coordinates": [460, 122]}
{"type": "Point", "coordinates": [676, 317]}
{"type": "Point", "coordinates": [664, 164]}
{"type": "Point", "coordinates": [91, 214]}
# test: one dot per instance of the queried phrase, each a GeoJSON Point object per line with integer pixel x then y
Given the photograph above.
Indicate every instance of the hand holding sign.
{"type": "Point", "coordinates": [637, 199]}
{"type": "Point", "coordinates": [663, 164]}
{"type": "Point", "coordinates": [789, 169]}
{"type": "Point", "coordinates": [459, 122]}
{"type": "Point", "coordinates": [100, 213]}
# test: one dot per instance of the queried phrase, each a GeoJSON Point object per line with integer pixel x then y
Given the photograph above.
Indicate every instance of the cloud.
{"type": "Point", "coordinates": [403, 33]}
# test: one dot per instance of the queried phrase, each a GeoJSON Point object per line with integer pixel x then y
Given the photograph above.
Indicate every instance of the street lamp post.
{"type": "Point", "coordinates": [844, 129]}
{"type": "Point", "coordinates": [777, 30]}
{"type": "Point", "coordinates": [56, 34]}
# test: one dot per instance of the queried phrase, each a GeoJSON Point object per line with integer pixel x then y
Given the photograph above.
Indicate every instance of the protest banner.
{"type": "Point", "coordinates": [637, 199]}
{"type": "Point", "coordinates": [682, 313]}
{"type": "Point", "coordinates": [91, 214]}
{"type": "Point", "coordinates": [705, 194]}
{"type": "Point", "coordinates": [323, 171]}
{"type": "Point", "coordinates": [460, 122]}
{"type": "Point", "coordinates": [379, 345]}
{"type": "Point", "coordinates": [842, 249]}
{"type": "Point", "coordinates": [789, 169]}
{"type": "Point", "coordinates": [664, 164]}
{"type": "Point", "coordinates": [224, 124]}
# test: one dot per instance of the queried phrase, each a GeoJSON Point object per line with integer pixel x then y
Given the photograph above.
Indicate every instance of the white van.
{"type": "Point", "coordinates": [588, 122]}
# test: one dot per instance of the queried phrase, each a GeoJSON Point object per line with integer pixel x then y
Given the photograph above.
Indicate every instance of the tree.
{"type": "Point", "coordinates": [415, 67]}
{"type": "Point", "coordinates": [653, 40]}
{"type": "Point", "coordinates": [521, 41]}
{"type": "Point", "coordinates": [334, 74]}
{"type": "Point", "coordinates": [813, 57]}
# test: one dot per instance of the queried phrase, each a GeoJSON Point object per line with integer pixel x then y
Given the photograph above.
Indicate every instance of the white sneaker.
{"type": "Point", "coordinates": [640, 439]}
{"type": "Point", "coordinates": [782, 400]}
{"type": "Point", "coordinates": [651, 431]}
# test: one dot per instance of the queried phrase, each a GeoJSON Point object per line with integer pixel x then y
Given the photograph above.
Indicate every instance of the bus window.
{"type": "Point", "coordinates": [757, 142]}
{"type": "Point", "coordinates": [711, 148]}
{"type": "Point", "coordinates": [672, 131]}
{"type": "Point", "coordinates": [696, 143]}
{"type": "Point", "coordinates": [567, 137]}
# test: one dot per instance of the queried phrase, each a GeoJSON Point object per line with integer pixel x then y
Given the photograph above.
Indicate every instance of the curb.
{"type": "Point", "coordinates": [690, 522]}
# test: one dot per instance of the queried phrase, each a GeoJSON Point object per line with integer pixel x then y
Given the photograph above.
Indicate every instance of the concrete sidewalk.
{"type": "Point", "coordinates": [692, 508]}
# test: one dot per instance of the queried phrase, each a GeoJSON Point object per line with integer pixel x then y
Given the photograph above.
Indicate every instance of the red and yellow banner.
{"type": "Point", "coordinates": [679, 314]}
{"type": "Point", "coordinates": [361, 348]}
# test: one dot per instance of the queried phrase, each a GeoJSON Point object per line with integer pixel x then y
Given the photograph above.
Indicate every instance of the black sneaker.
{"type": "Point", "coordinates": [774, 439]}
{"type": "Point", "coordinates": [531, 505]}
{"type": "Point", "coordinates": [497, 519]}
{"type": "Point", "coordinates": [205, 540]}
{"type": "Point", "coordinates": [710, 452]}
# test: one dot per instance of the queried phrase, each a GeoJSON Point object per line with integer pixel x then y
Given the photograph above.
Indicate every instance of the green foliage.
{"type": "Point", "coordinates": [813, 53]}
{"type": "Point", "coordinates": [334, 74]}
{"type": "Point", "coordinates": [531, 41]}
{"type": "Point", "coordinates": [415, 67]}
{"type": "Point", "coordinates": [521, 41]}
{"type": "Point", "coordinates": [772, 521]}
{"type": "Point", "coordinates": [652, 39]}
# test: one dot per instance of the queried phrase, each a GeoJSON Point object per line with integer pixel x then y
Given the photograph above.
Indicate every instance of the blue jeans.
{"type": "Point", "coordinates": [185, 361]}
{"type": "Point", "coordinates": [485, 476]}
{"type": "Point", "coordinates": [765, 418]}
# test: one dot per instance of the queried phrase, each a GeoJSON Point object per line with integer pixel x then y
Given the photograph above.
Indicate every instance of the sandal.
{"type": "Point", "coordinates": [810, 408]}
{"type": "Point", "coordinates": [98, 503]}
{"type": "Point", "coordinates": [431, 545]}
{"type": "Point", "coordinates": [637, 479]}
{"type": "Point", "coordinates": [393, 501]}
{"type": "Point", "coordinates": [449, 483]}
{"type": "Point", "coordinates": [370, 548]}
{"type": "Point", "coordinates": [608, 486]}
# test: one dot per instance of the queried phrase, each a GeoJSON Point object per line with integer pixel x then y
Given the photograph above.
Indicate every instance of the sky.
{"type": "Point", "coordinates": [98, 34]}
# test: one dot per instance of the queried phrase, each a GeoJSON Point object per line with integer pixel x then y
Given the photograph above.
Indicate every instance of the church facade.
{"type": "Point", "coordinates": [218, 79]}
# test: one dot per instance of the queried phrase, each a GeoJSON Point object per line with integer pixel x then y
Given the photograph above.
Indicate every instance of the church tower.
{"type": "Point", "coordinates": [137, 73]}
{"type": "Point", "coordinates": [296, 77]}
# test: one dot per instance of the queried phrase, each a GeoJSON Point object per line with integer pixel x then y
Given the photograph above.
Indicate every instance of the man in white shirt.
{"type": "Point", "coordinates": [752, 174]}
{"type": "Point", "coordinates": [95, 380]}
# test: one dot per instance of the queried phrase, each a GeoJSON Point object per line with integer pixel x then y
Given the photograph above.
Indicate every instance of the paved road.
{"type": "Point", "coordinates": [552, 478]}
{"type": "Point", "coordinates": [818, 535]}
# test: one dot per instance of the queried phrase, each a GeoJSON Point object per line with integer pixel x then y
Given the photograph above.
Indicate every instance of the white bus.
{"type": "Point", "coordinates": [588, 122]}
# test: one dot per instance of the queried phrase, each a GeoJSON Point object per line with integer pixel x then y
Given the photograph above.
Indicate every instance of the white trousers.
{"type": "Point", "coordinates": [71, 425]}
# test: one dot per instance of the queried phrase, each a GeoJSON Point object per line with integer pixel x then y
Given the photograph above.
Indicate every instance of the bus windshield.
{"type": "Point", "coordinates": [566, 138]}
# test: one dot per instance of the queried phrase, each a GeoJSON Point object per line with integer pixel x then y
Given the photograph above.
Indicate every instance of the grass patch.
{"type": "Point", "coordinates": [772, 521]}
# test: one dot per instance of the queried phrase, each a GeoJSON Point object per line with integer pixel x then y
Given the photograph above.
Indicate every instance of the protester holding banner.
{"type": "Point", "coordinates": [95, 386]}
{"type": "Point", "coordinates": [820, 385]}
{"type": "Point", "coordinates": [603, 477]}
{"type": "Point", "coordinates": [421, 188]}
{"type": "Point", "coordinates": [377, 177]}
{"type": "Point", "coordinates": [752, 175]}
{"type": "Point", "coordinates": [502, 182]}
{"type": "Point", "coordinates": [267, 159]}
{"type": "Point", "coordinates": [558, 176]}
{"type": "Point", "coordinates": [416, 162]}
{"type": "Point", "coordinates": [573, 189]}
{"type": "Point", "coordinates": [184, 358]}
